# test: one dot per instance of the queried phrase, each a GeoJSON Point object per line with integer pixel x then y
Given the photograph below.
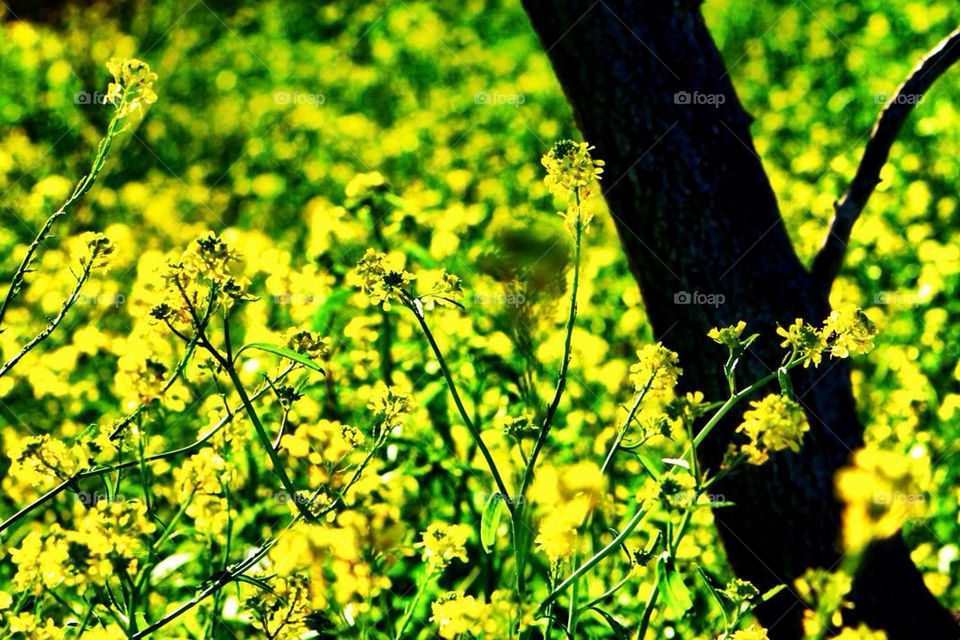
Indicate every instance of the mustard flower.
{"type": "Point", "coordinates": [132, 87]}
{"type": "Point", "coordinates": [657, 363]}
{"type": "Point", "coordinates": [442, 543]}
{"type": "Point", "coordinates": [728, 336]}
{"type": "Point", "coordinates": [848, 330]}
{"type": "Point", "coordinates": [381, 278]}
{"type": "Point", "coordinates": [456, 614]}
{"type": "Point", "coordinates": [751, 633]}
{"type": "Point", "coordinates": [570, 166]}
{"type": "Point", "coordinates": [774, 423]}
{"type": "Point", "coordinates": [880, 491]}
{"type": "Point", "coordinates": [806, 340]}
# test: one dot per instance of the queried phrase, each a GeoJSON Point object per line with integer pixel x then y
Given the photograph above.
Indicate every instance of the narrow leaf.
{"type": "Point", "coordinates": [490, 521]}
{"type": "Point", "coordinates": [283, 352]}
{"type": "Point", "coordinates": [674, 591]}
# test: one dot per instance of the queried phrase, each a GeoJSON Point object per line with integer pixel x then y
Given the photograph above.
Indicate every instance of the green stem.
{"type": "Point", "coordinates": [267, 444]}
{"type": "Point", "coordinates": [554, 404]}
{"type": "Point", "coordinates": [408, 614]}
{"type": "Point", "coordinates": [81, 189]}
{"type": "Point", "coordinates": [611, 547]}
{"type": "Point", "coordinates": [91, 473]}
{"type": "Point", "coordinates": [474, 431]}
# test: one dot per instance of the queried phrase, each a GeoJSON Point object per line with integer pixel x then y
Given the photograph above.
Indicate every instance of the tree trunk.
{"type": "Point", "coordinates": [695, 213]}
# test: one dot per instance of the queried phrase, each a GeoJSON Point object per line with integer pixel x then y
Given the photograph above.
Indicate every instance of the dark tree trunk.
{"type": "Point", "coordinates": [695, 213]}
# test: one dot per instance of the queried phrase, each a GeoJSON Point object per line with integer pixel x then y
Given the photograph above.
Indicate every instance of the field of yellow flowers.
{"type": "Point", "coordinates": [313, 323]}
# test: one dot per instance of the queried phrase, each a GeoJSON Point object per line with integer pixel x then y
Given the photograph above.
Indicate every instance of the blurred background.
{"type": "Point", "coordinates": [309, 131]}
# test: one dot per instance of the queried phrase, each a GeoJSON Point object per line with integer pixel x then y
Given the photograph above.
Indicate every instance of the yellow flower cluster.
{"type": "Point", "coordinates": [881, 490]}
{"type": "Point", "coordinates": [728, 336]}
{"type": "Point", "coordinates": [570, 166]}
{"type": "Point", "coordinates": [202, 482]}
{"type": "Point", "coordinates": [132, 87]}
{"type": "Point", "coordinates": [284, 610]}
{"type": "Point", "coordinates": [382, 277]}
{"type": "Point", "coordinates": [657, 367]}
{"type": "Point", "coordinates": [774, 423]}
{"type": "Point", "coordinates": [108, 541]}
{"type": "Point", "coordinates": [458, 616]}
{"type": "Point", "coordinates": [442, 543]}
{"type": "Point", "coordinates": [847, 330]}
{"type": "Point", "coordinates": [571, 172]}
{"type": "Point", "coordinates": [751, 633]}
{"type": "Point", "coordinates": [567, 495]}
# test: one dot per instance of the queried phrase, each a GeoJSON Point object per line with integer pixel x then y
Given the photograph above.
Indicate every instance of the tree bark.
{"type": "Point", "coordinates": [695, 213]}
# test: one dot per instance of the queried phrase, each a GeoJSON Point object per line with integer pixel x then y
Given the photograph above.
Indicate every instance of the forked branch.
{"type": "Point", "coordinates": [829, 259]}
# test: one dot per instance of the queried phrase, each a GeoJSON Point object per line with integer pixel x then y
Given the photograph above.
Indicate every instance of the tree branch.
{"type": "Point", "coordinates": [829, 259]}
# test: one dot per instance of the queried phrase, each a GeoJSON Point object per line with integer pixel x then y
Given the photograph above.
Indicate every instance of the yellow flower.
{"type": "Point", "coordinates": [390, 406]}
{"type": "Point", "coordinates": [881, 490]}
{"type": "Point", "coordinates": [657, 366]}
{"type": "Point", "coordinates": [442, 288]}
{"type": "Point", "coordinates": [729, 336]}
{"type": "Point", "coordinates": [456, 614]}
{"type": "Point", "coordinates": [805, 340]}
{"type": "Point", "coordinates": [132, 86]}
{"type": "Point", "coordinates": [382, 278]}
{"type": "Point", "coordinates": [752, 633]}
{"type": "Point", "coordinates": [862, 632]}
{"type": "Point", "coordinates": [848, 330]}
{"type": "Point", "coordinates": [569, 166]}
{"type": "Point", "coordinates": [40, 460]}
{"type": "Point", "coordinates": [283, 611]}
{"type": "Point", "coordinates": [775, 423]}
{"type": "Point", "coordinates": [442, 542]}
{"type": "Point", "coordinates": [5, 600]}
{"type": "Point", "coordinates": [570, 173]}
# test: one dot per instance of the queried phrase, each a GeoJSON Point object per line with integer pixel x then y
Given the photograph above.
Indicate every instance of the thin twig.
{"type": "Point", "coordinates": [829, 259]}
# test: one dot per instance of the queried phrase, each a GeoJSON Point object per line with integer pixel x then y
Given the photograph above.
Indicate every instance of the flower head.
{"type": "Point", "coordinates": [805, 340]}
{"type": "Point", "coordinates": [881, 490]}
{"type": "Point", "coordinates": [569, 166]}
{"type": "Point", "coordinates": [442, 543]}
{"type": "Point", "coordinates": [657, 366]}
{"type": "Point", "coordinates": [774, 423]}
{"type": "Point", "coordinates": [729, 336]}
{"type": "Point", "coordinates": [456, 614]}
{"type": "Point", "coordinates": [381, 278]}
{"type": "Point", "coordinates": [848, 330]}
{"type": "Point", "coordinates": [132, 86]}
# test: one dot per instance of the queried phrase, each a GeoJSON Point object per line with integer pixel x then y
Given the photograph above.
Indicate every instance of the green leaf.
{"type": "Point", "coordinates": [786, 385]}
{"type": "Point", "coordinates": [772, 592]}
{"type": "Point", "coordinates": [674, 591]}
{"type": "Point", "coordinates": [619, 631]}
{"type": "Point", "coordinates": [490, 521]}
{"type": "Point", "coordinates": [283, 352]}
{"type": "Point", "coordinates": [649, 466]}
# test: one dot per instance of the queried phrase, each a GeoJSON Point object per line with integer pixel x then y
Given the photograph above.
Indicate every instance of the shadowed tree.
{"type": "Point", "coordinates": [696, 213]}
